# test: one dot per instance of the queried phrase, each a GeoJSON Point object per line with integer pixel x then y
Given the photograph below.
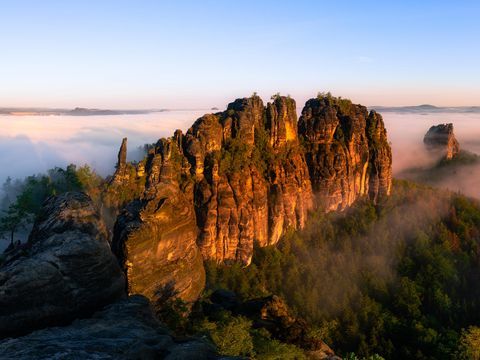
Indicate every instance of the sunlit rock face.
{"type": "Point", "coordinates": [441, 139]}
{"type": "Point", "coordinates": [347, 152]}
{"type": "Point", "coordinates": [65, 271]}
{"type": "Point", "coordinates": [121, 172]}
{"type": "Point", "coordinates": [290, 190]}
{"type": "Point", "coordinates": [155, 237]}
{"type": "Point", "coordinates": [252, 183]}
{"type": "Point", "coordinates": [281, 121]}
{"type": "Point", "coordinates": [243, 177]}
{"type": "Point", "coordinates": [380, 158]}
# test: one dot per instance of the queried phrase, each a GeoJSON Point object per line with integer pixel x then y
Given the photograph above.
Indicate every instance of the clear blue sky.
{"type": "Point", "coordinates": [141, 54]}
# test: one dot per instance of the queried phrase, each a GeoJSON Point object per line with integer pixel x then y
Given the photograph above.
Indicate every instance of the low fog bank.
{"type": "Point", "coordinates": [34, 144]}
{"type": "Point", "coordinates": [30, 145]}
{"type": "Point", "coordinates": [406, 132]}
{"type": "Point", "coordinates": [374, 255]}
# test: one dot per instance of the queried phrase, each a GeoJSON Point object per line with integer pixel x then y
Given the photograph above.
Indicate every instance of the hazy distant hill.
{"type": "Point", "coordinates": [78, 111]}
{"type": "Point", "coordinates": [428, 108]}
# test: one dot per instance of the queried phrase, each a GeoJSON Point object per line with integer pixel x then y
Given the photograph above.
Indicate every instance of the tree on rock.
{"type": "Point", "coordinates": [14, 219]}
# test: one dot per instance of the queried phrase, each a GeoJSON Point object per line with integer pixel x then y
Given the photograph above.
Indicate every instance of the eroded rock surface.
{"type": "Point", "coordinates": [441, 139]}
{"type": "Point", "coordinates": [124, 330]}
{"type": "Point", "coordinates": [347, 151]}
{"type": "Point", "coordinates": [251, 179]}
{"type": "Point", "coordinates": [65, 271]}
{"type": "Point", "coordinates": [121, 170]}
{"type": "Point", "coordinates": [155, 237]}
{"type": "Point", "coordinates": [250, 173]}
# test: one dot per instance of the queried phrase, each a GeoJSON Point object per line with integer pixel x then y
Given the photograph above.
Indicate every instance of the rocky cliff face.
{"type": "Point", "coordinates": [441, 139]}
{"type": "Point", "coordinates": [245, 176]}
{"type": "Point", "coordinates": [155, 238]}
{"type": "Point", "coordinates": [347, 151]}
{"type": "Point", "coordinates": [66, 270]}
{"type": "Point", "coordinates": [251, 179]}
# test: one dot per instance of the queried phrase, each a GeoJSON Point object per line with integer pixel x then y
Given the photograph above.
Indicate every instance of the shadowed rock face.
{"type": "Point", "coordinates": [243, 176]}
{"type": "Point", "coordinates": [441, 139]}
{"type": "Point", "coordinates": [66, 270]}
{"type": "Point", "coordinates": [124, 330]}
{"type": "Point", "coordinates": [347, 152]}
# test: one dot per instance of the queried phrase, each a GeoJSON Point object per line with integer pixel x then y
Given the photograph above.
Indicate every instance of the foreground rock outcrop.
{"type": "Point", "coordinates": [124, 330]}
{"type": "Point", "coordinates": [65, 271]}
{"type": "Point", "coordinates": [441, 139]}
{"type": "Point", "coordinates": [242, 177]}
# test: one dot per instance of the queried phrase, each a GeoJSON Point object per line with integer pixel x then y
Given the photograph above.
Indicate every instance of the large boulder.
{"type": "Point", "coordinates": [441, 139]}
{"type": "Point", "coordinates": [124, 330]}
{"type": "Point", "coordinates": [65, 271]}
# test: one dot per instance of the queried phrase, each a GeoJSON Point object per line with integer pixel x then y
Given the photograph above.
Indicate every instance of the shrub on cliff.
{"type": "Point", "coordinates": [342, 104]}
{"type": "Point", "coordinates": [235, 336]}
{"type": "Point", "coordinates": [469, 344]}
{"type": "Point", "coordinates": [234, 156]}
{"type": "Point", "coordinates": [230, 334]}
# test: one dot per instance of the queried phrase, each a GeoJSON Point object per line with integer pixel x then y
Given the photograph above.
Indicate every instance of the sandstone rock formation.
{"type": "Point", "coordinates": [155, 237]}
{"type": "Point", "coordinates": [121, 173]}
{"type": "Point", "coordinates": [65, 271]}
{"type": "Point", "coordinates": [440, 138]}
{"type": "Point", "coordinates": [124, 186]}
{"type": "Point", "coordinates": [124, 330]}
{"type": "Point", "coordinates": [251, 179]}
{"type": "Point", "coordinates": [347, 151]}
{"type": "Point", "coordinates": [246, 175]}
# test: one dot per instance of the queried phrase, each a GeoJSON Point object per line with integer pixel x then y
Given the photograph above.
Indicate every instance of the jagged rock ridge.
{"type": "Point", "coordinates": [440, 138]}
{"type": "Point", "coordinates": [250, 184]}
{"type": "Point", "coordinates": [245, 176]}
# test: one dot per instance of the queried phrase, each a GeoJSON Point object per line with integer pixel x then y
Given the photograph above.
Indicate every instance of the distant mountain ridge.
{"type": "Point", "coordinates": [427, 108]}
{"type": "Point", "coordinates": [78, 111]}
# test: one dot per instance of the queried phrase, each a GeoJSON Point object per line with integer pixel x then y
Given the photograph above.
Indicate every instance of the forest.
{"type": "Point", "coordinates": [397, 280]}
